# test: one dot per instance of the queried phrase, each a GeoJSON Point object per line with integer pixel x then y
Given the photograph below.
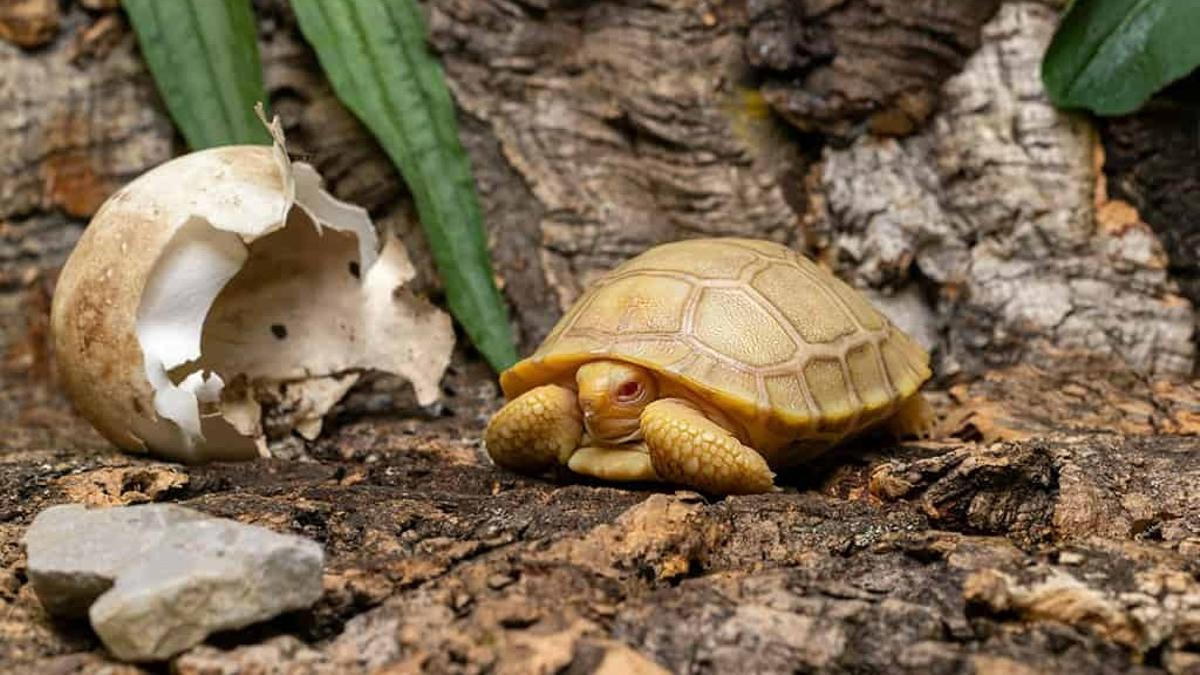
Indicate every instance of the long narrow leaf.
{"type": "Point", "coordinates": [1109, 56]}
{"type": "Point", "coordinates": [203, 55]}
{"type": "Point", "coordinates": [375, 54]}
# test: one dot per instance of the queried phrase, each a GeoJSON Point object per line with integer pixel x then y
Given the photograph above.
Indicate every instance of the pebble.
{"type": "Point", "coordinates": [157, 579]}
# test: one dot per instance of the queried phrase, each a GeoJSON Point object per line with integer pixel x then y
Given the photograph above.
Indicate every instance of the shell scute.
{"type": "Point", "coordinates": [698, 261]}
{"type": "Point", "coordinates": [665, 352]}
{"type": "Point", "coordinates": [874, 390]}
{"type": "Point", "coordinates": [903, 376]}
{"type": "Point", "coordinates": [787, 391]}
{"type": "Point", "coordinates": [806, 307]}
{"type": "Point", "coordinates": [634, 305]}
{"type": "Point", "coordinates": [868, 317]}
{"type": "Point", "coordinates": [825, 379]}
{"type": "Point", "coordinates": [735, 325]}
{"type": "Point", "coordinates": [734, 382]}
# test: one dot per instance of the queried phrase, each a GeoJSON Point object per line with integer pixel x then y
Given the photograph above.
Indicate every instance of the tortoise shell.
{"type": "Point", "coordinates": [751, 327]}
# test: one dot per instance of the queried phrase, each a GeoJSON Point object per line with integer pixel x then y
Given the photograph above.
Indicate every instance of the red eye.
{"type": "Point", "coordinates": [629, 390]}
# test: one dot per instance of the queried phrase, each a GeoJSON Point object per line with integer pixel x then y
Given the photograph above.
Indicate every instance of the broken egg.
{"type": "Point", "coordinates": [226, 286]}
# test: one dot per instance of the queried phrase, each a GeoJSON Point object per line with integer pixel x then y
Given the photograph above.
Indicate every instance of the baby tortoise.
{"type": "Point", "coordinates": [707, 363]}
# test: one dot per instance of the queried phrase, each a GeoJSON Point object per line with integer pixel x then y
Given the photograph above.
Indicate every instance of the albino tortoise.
{"type": "Point", "coordinates": [707, 363]}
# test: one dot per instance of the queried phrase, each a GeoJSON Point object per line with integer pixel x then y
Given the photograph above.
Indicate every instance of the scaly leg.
{"type": "Point", "coordinates": [536, 430]}
{"type": "Point", "coordinates": [687, 447]}
{"type": "Point", "coordinates": [914, 419]}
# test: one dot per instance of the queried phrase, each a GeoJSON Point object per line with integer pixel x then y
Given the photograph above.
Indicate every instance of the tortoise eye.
{"type": "Point", "coordinates": [629, 391]}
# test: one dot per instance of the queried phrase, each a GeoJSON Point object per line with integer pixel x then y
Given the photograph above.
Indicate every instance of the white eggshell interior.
{"type": "Point", "coordinates": [275, 293]}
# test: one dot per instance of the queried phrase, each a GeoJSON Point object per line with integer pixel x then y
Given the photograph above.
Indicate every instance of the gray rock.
{"type": "Point", "coordinates": [163, 577]}
{"type": "Point", "coordinates": [76, 554]}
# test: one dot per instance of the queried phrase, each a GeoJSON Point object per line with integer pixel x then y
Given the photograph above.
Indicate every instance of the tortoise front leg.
{"type": "Point", "coordinates": [536, 430]}
{"type": "Point", "coordinates": [687, 447]}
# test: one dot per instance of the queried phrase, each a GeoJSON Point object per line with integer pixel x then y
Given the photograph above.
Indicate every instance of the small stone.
{"type": "Point", "coordinates": [1070, 558]}
{"type": "Point", "coordinates": [166, 576]}
{"type": "Point", "coordinates": [75, 554]}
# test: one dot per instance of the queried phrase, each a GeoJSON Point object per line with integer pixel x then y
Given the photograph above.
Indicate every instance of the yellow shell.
{"type": "Point", "coordinates": [751, 327]}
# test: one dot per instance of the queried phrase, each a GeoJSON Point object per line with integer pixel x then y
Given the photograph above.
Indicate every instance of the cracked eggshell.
{"type": "Point", "coordinates": [224, 279]}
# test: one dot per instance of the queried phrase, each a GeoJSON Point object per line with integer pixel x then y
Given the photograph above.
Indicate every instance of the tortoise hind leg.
{"type": "Point", "coordinates": [914, 419]}
{"type": "Point", "coordinates": [688, 448]}
{"type": "Point", "coordinates": [536, 430]}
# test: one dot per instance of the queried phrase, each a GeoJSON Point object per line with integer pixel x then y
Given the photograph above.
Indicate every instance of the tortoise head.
{"type": "Point", "coordinates": [612, 395]}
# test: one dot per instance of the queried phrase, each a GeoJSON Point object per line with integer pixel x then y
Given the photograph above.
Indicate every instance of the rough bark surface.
{"type": "Point", "coordinates": [998, 209]}
{"type": "Point", "coordinates": [845, 67]}
{"type": "Point", "coordinates": [77, 124]}
{"type": "Point", "coordinates": [1153, 161]}
{"type": "Point", "coordinates": [1051, 525]}
{"type": "Point", "coordinates": [1051, 543]}
{"type": "Point", "coordinates": [626, 122]}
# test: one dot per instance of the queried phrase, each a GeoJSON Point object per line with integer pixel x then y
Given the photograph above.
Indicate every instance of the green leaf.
{"type": "Point", "coordinates": [1110, 56]}
{"type": "Point", "coordinates": [203, 55]}
{"type": "Point", "coordinates": [375, 55]}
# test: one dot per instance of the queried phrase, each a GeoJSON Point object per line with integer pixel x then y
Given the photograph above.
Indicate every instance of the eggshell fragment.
{"type": "Point", "coordinates": [223, 280]}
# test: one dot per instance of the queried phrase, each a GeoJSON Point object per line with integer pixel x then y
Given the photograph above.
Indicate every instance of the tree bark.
{"type": "Point", "coordinates": [1153, 161]}
{"type": "Point", "coordinates": [838, 67]}
{"type": "Point", "coordinates": [998, 209]}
